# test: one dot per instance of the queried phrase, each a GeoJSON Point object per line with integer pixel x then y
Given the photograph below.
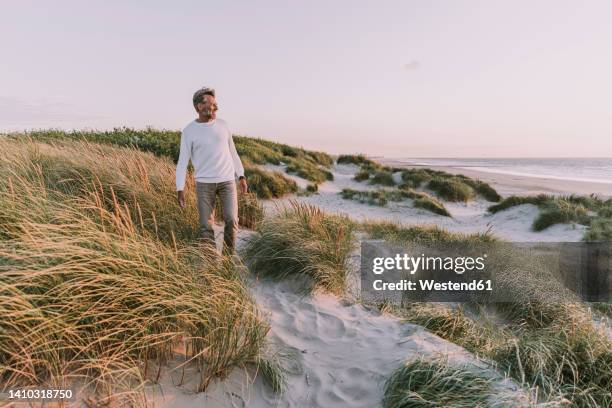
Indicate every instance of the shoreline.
{"type": "Point", "coordinates": [508, 184]}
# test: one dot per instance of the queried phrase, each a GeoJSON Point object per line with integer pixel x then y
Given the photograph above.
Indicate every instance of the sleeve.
{"type": "Point", "coordinates": [183, 161]}
{"type": "Point", "coordinates": [238, 169]}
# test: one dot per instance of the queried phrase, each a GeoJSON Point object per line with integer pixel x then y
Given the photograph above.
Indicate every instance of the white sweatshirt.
{"type": "Point", "coordinates": [212, 152]}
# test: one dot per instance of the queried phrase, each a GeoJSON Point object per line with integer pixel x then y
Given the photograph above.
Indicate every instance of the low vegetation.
{"type": "Point", "coordinates": [309, 171]}
{"type": "Point", "coordinates": [404, 235]}
{"type": "Point", "coordinates": [362, 175]}
{"type": "Point", "coordinates": [451, 189]}
{"type": "Point", "coordinates": [303, 240]}
{"type": "Point", "coordinates": [586, 210]}
{"type": "Point", "coordinates": [547, 341]}
{"type": "Point", "coordinates": [447, 186]}
{"type": "Point", "coordinates": [101, 275]}
{"type": "Point", "coordinates": [308, 164]}
{"type": "Point", "coordinates": [437, 383]}
{"type": "Point", "coordinates": [359, 160]}
{"type": "Point", "coordinates": [268, 184]}
{"type": "Point", "coordinates": [382, 197]}
{"type": "Point", "coordinates": [383, 178]}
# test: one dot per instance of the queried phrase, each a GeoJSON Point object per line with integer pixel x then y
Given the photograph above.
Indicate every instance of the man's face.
{"type": "Point", "coordinates": [208, 106]}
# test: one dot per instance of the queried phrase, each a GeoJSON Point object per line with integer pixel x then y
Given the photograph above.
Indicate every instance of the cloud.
{"type": "Point", "coordinates": [413, 65]}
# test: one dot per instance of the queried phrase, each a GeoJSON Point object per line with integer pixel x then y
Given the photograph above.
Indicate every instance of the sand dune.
{"type": "Point", "coordinates": [339, 353]}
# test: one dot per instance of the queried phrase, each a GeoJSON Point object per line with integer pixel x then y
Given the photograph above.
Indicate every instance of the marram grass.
{"type": "Point", "coordinates": [437, 384]}
{"type": "Point", "coordinates": [303, 240]}
{"type": "Point", "coordinates": [547, 342]}
{"type": "Point", "coordinates": [96, 287]}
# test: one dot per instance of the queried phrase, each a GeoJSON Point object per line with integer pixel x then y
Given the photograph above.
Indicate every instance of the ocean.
{"type": "Point", "coordinates": [596, 170]}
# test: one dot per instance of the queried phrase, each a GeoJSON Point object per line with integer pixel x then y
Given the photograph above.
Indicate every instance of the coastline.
{"type": "Point", "coordinates": [508, 184]}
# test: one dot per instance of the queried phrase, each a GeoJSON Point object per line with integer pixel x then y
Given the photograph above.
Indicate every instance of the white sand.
{"type": "Point", "coordinates": [338, 354]}
{"type": "Point", "coordinates": [342, 353]}
{"type": "Point", "coordinates": [513, 224]}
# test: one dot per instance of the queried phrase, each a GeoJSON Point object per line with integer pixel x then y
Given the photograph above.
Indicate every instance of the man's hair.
{"type": "Point", "coordinates": [198, 96]}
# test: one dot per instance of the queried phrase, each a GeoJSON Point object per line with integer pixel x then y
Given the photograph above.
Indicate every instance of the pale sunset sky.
{"type": "Point", "coordinates": [490, 78]}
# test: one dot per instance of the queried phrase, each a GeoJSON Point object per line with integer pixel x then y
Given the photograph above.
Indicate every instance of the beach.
{"type": "Point", "coordinates": [300, 333]}
{"type": "Point", "coordinates": [340, 352]}
{"type": "Point", "coordinates": [518, 184]}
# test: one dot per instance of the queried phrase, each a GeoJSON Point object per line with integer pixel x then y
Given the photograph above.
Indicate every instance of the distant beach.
{"type": "Point", "coordinates": [527, 176]}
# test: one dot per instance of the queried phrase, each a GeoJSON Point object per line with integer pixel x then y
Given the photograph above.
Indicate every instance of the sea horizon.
{"type": "Point", "coordinates": [594, 170]}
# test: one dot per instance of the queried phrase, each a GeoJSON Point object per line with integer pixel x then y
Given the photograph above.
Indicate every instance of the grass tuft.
{"type": "Point", "coordinates": [451, 189]}
{"type": "Point", "coordinates": [436, 383]}
{"type": "Point", "coordinates": [303, 240]}
{"type": "Point", "coordinates": [382, 197]}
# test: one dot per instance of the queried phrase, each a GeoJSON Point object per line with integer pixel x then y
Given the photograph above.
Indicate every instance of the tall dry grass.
{"type": "Point", "coordinates": [100, 278]}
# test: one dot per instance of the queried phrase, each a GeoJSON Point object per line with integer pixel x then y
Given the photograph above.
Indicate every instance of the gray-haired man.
{"type": "Point", "coordinates": [208, 142]}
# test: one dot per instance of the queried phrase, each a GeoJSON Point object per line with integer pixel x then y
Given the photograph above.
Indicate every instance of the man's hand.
{"type": "Point", "coordinates": [180, 195]}
{"type": "Point", "coordinates": [243, 185]}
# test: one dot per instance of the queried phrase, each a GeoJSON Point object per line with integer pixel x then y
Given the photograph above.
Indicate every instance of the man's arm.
{"type": "Point", "coordinates": [181, 168]}
{"type": "Point", "coordinates": [238, 168]}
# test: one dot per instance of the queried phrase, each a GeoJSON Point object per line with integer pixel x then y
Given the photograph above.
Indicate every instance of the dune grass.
{"type": "Point", "coordinates": [268, 184]}
{"type": "Point", "coordinates": [403, 235]}
{"type": "Point", "coordinates": [362, 175]}
{"type": "Point", "coordinates": [303, 240]}
{"type": "Point", "coordinates": [447, 186]}
{"type": "Point", "coordinates": [512, 201]}
{"type": "Point", "coordinates": [547, 341]}
{"type": "Point", "coordinates": [263, 151]}
{"type": "Point", "coordinates": [383, 178]}
{"type": "Point", "coordinates": [382, 197]}
{"type": "Point", "coordinates": [376, 197]}
{"type": "Point", "coordinates": [451, 189]}
{"type": "Point", "coordinates": [415, 178]}
{"type": "Point", "coordinates": [309, 171]}
{"type": "Point", "coordinates": [358, 159]}
{"type": "Point", "coordinates": [589, 210]}
{"type": "Point", "coordinates": [101, 275]}
{"type": "Point", "coordinates": [253, 151]}
{"type": "Point", "coordinates": [437, 383]}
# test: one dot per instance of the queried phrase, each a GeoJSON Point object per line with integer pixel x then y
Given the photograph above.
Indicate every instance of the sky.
{"type": "Point", "coordinates": [427, 78]}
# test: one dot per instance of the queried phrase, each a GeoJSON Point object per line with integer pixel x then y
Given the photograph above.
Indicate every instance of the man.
{"type": "Point", "coordinates": [208, 142]}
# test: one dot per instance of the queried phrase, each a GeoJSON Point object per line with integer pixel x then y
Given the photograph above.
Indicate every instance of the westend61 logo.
{"type": "Point", "coordinates": [487, 272]}
{"type": "Point", "coordinates": [411, 264]}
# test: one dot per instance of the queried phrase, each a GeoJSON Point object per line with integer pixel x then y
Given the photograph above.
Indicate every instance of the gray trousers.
{"type": "Point", "coordinates": [228, 195]}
